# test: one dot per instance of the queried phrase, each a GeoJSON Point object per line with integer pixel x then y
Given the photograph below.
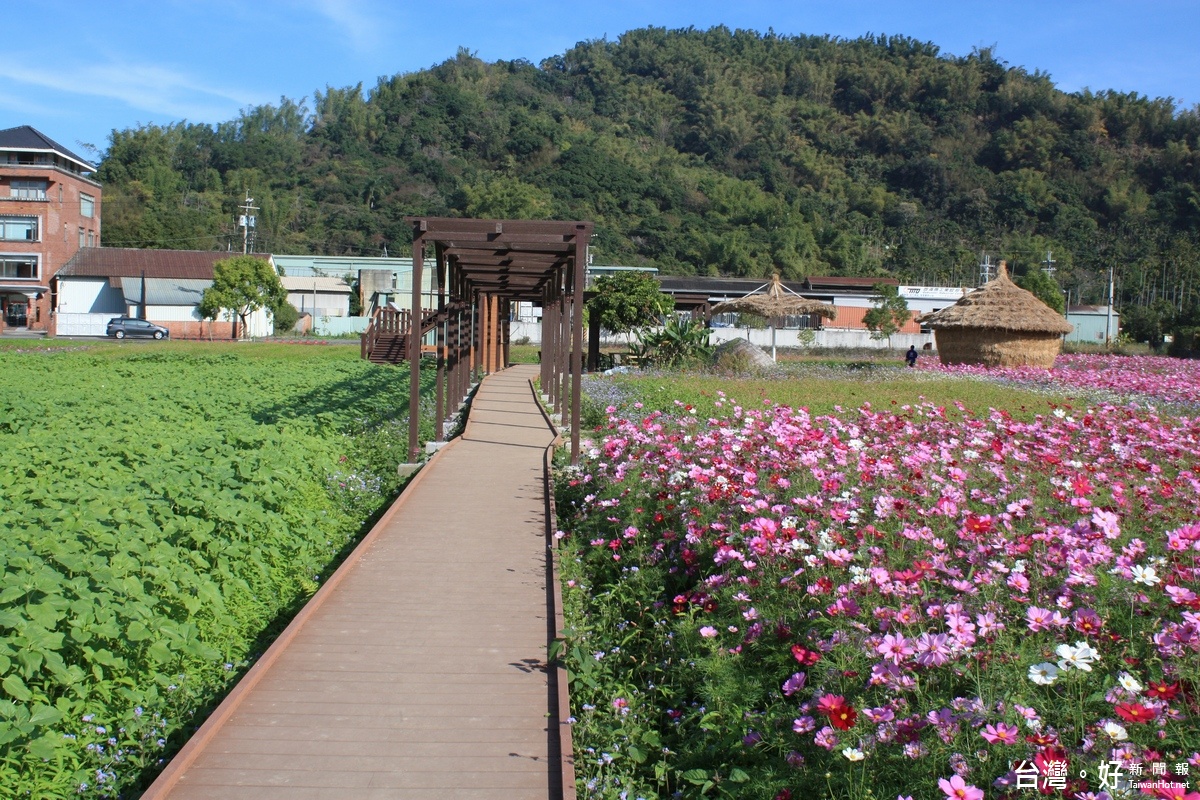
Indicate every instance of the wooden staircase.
{"type": "Point", "coordinates": [386, 339]}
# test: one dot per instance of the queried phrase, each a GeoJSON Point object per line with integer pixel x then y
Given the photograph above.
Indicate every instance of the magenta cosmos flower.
{"type": "Point", "coordinates": [958, 789]}
{"type": "Point", "coordinates": [1001, 733]}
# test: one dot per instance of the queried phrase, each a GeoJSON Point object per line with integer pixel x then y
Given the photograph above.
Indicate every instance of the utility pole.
{"type": "Point", "coordinates": [985, 268]}
{"type": "Point", "coordinates": [246, 221]}
{"type": "Point", "coordinates": [1108, 314]}
{"type": "Point", "coordinates": [1049, 264]}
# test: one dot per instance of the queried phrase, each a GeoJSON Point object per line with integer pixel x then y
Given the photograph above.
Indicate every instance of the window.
{"type": "Point", "coordinates": [82, 235]}
{"type": "Point", "coordinates": [30, 190]}
{"type": "Point", "coordinates": [91, 239]}
{"type": "Point", "coordinates": [18, 267]}
{"type": "Point", "coordinates": [19, 229]}
{"type": "Point", "coordinates": [87, 205]}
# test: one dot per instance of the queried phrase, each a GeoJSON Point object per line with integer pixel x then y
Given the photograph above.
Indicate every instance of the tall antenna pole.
{"type": "Point", "coordinates": [1108, 315]}
{"type": "Point", "coordinates": [1049, 264]}
{"type": "Point", "coordinates": [247, 221]}
{"type": "Point", "coordinates": [985, 268]}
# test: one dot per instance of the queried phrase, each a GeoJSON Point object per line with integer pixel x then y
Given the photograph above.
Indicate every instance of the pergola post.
{"type": "Point", "coordinates": [494, 333]}
{"type": "Point", "coordinates": [414, 351]}
{"type": "Point", "coordinates": [476, 342]}
{"type": "Point", "coordinates": [439, 433]}
{"type": "Point", "coordinates": [485, 333]}
{"type": "Point", "coordinates": [550, 329]}
{"type": "Point", "coordinates": [564, 348]}
{"type": "Point", "coordinates": [577, 279]}
{"type": "Point", "coordinates": [544, 354]}
{"type": "Point", "coordinates": [506, 317]}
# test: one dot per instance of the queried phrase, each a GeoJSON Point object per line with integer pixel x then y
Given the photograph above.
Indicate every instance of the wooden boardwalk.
{"type": "Point", "coordinates": [418, 670]}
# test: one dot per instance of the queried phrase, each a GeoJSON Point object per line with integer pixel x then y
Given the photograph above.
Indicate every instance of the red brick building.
{"type": "Point", "coordinates": [49, 209]}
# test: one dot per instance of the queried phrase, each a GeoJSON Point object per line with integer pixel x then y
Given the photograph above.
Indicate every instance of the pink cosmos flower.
{"type": "Point", "coordinates": [958, 789]}
{"type": "Point", "coordinates": [933, 650]}
{"type": "Point", "coordinates": [895, 648]}
{"type": "Point", "coordinates": [1001, 733]}
{"type": "Point", "coordinates": [1039, 619]}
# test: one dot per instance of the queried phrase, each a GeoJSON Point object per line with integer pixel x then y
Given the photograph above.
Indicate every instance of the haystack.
{"type": "Point", "coordinates": [739, 356]}
{"type": "Point", "coordinates": [998, 325]}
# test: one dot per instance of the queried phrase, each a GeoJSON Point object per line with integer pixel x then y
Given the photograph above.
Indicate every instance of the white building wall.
{"type": "Point", "coordinates": [327, 304]}
{"type": "Point", "coordinates": [166, 313]}
{"type": "Point", "coordinates": [89, 296]}
{"type": "Point", "coordinates": [784, 338]}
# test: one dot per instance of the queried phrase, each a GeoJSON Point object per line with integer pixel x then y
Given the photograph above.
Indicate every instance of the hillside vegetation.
{"type": "Point", "coordinates": [710, 152]}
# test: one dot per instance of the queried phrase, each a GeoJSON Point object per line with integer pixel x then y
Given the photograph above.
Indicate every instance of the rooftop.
{"type": "Point", "coordinates": [26, 139]}
{"type": "Point", "coordinates": [129, 262]}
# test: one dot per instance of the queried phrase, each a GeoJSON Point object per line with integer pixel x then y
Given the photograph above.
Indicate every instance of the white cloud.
{"type": "Point", "coordinates": [148, 87]}
{"type": "Point", "coordinates": [359, 23]}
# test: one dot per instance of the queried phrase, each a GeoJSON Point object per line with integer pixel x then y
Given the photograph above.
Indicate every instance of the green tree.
{"type": "Point", "coordinates": [285, 316]}
{"type": "Point", "coordinates": [356, 306]}
{"type": "Point", "coordinates": [241, 286]}
{"type": "Point", "coordinates": [889, 313]}
{"type": "Point", "coordinates": [628, 301]}
{"type": "Point", "coordinates": [1044, 288]}
{"type": "Point", "coordinates": [499, 197]}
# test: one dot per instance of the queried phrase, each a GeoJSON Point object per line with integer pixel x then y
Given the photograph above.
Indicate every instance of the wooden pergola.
{"type": "Point", "coordinates": [482, 268]}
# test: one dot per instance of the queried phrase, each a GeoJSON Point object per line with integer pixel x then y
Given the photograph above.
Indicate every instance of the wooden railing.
{"type": "Point", "coordinates": [384, 321]}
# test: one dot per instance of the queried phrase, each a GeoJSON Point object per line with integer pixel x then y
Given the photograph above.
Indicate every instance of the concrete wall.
{"type": "Point", "coordinates": [327, 304]}
{"type": "Point", "coordinates": [340, 326]}
{"type": "Point", "coordinates": [785, 338]}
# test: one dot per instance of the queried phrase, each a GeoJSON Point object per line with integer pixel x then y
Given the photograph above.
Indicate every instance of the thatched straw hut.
{"type": "Point", "coordinates": [998, 325]}
{"type": "Point", "coordinates": [778, 301]}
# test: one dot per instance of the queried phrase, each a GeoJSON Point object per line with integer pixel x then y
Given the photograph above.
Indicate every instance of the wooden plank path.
{"type": "Point", "coordinates": [418, 670]}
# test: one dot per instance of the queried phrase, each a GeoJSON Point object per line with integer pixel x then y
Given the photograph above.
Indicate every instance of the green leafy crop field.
{"type": "Point", "coordinates": [163, 510]}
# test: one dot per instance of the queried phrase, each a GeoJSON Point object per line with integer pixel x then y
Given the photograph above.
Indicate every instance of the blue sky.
{"type": "Point", "coordinates": [79, 70]}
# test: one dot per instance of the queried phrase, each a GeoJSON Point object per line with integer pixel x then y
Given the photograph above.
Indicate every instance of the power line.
{"type": "Point", "coordinates": [153, 242]}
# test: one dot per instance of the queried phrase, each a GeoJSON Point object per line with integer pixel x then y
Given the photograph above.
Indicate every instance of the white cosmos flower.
{"type": "Point", "coordinates": [1115, 731]}
{"type": "Point", "coordinates": [1145, 575]}
{"type": "Point", "coordinates": [1043, 674]}
{"type": "Point", "coordinates": [1080, 656]}
{"type": "Point", "coordinates": [854, 754]}
{"type": "Point", "coordinates": [1129, 682]}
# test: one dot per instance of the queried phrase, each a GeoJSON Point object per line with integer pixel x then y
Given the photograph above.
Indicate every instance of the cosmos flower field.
{"type": "Point", "coordinates": [918, 601]}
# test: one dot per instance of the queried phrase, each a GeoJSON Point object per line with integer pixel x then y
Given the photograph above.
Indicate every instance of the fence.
{"type": "Point", "coordinates": [340, 326]}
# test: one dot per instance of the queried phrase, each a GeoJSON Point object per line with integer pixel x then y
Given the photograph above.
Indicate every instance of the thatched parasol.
{"type": "Point", "coordinates": [1000, 324]}
{"type": "Point", "coordinates": [778, 301]}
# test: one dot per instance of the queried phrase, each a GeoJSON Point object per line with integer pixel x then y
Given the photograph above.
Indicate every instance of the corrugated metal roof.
{"type": "Point", "coordinates": [337, 266]}
{"type": "Point", "coordinates": [296, 283]}
{"type": "Point", "coordinates": [129, 262]}
{"type": "Point", "coordinates": [164, 291]}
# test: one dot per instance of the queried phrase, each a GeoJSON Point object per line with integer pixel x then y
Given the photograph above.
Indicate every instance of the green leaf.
{"type": "Point", "coordinates": [44, 715]}
{"type": "Point", "coordinates": [737, 775]}
{"type": "Point", "coordinates": [160, 651]}
{"type": "Point", "coordinates": [16, 688]}
{"type": "Point", "coordinates": [696, 776]}
{"type": "Point", "coordinates": [45, 747]}
{"type": "Point", "coordinates": [137, 632]}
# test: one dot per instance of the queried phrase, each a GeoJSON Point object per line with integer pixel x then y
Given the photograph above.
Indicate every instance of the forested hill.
{"type": "Point", "coordinates": [711, 152]}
